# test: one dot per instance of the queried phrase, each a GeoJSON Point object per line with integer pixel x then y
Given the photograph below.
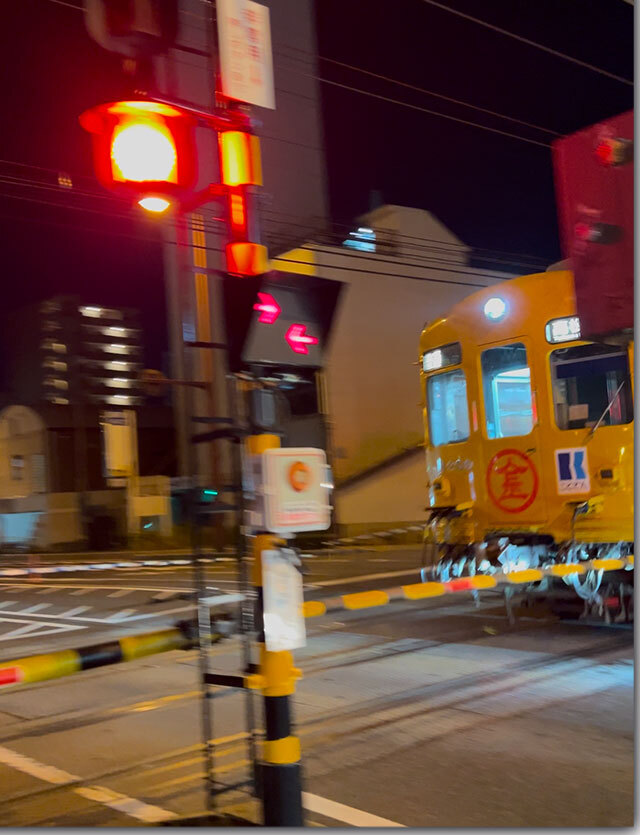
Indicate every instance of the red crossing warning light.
{"type": "Point", "coordinates": [278, 320]}
{"type": "Point", "coordinates": [299, 340]}
{"type": "Point", "coordinates": [268, 307]}
{"type": "Point", "coordinates": [594, 186]}
{"type": "Point", "coordinates": [145, 149]}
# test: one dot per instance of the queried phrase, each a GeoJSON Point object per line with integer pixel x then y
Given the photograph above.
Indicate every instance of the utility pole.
{"type": "Point", "coordinates": [275, 324]}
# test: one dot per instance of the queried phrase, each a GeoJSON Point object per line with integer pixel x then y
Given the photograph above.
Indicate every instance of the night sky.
{"type": "Point", "coordinates": [494, 192]}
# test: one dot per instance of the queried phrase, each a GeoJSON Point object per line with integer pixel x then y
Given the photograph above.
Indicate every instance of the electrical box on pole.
{"type": "Point", "coordinates": [594, 186]}
{"type": "Point", "coordinates": [279, 320]}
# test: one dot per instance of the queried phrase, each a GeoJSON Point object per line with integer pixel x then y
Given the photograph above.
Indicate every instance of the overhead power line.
{"type": "Point", "coordinates": [422, 109]}
{"type": "Point", "coordinates": [529, 42]}
{"type": "Point", "coordinates": [430, 93]}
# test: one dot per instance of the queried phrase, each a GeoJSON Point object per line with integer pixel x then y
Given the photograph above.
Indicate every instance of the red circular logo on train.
{"type": "Point", "coordinates": [512, 480]}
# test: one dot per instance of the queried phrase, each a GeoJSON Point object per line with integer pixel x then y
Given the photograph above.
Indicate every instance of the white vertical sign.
{"type": "Point", "coordinates": [246, 61]}
{"type": "Point", "coordinates": [282, 602]}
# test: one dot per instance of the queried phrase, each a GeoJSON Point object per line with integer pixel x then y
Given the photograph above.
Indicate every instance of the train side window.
{"type": "Point", "coordinates": [448, 408]}
{"type": "Point", "coordinates": [591, 382]}
{"type": "Point", "coordinates": [506, 381]}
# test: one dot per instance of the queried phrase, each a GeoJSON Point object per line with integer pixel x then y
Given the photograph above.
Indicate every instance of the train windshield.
{"type": "Point", "coordinates": [447, 407]}
{"type": "Point", "coordinates": [506, 381]}
{"type": "Point", "coordinates": [591, 382]}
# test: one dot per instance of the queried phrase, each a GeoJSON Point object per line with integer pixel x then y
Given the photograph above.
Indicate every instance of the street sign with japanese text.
{"type": "Point", "coordinates": [246, 61]}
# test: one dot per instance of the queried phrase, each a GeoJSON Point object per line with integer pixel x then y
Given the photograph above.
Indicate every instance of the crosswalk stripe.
{"type": "Point", "coordinates": [120, 593]}
{"type": "Point", "coordinates": [121, 615]}
{"type": "Point", "coordinates": [35, 608]}
{"type": "Point", "coordinates": [82, 591]}
{"type": "Point", "coordinates": [72, 612]}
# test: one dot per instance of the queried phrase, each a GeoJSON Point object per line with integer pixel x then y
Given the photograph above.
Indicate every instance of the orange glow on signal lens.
{"type": "Point", "coordinates": [143, 151]}
{"type": "Point", "coordinates": [240, 163]}
{"type": "Point", "coordinates": [237, 211]}
{"type": "Point", "coordinates": [154, 204]}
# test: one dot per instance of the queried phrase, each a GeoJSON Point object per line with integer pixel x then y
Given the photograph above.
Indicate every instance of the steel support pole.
{"type": "Point", "coordinates": [278, 770]}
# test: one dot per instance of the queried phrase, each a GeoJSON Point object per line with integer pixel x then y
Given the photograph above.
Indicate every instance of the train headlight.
{"type": "Point", "coordinates": [563, 330]}
{"type": "Point", "coordinates": [495, 308]}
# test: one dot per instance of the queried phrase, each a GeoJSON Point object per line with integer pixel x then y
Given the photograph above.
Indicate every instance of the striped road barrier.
{"type": "Point", "coordinates": [421, 591]}
{"type": "Point", "coordinates": [66, 662]}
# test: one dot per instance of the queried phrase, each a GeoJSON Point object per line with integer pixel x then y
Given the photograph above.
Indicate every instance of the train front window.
{"type": "Point", "coordinates": [506, 380]}
{"type": "Point", "coordinates": [448, 408]}
{"type": "Point", "coordinates": [591, 382]}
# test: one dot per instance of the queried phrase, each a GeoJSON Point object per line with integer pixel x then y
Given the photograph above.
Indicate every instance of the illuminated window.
{"type": "Point", "coordinates": [591, 382]}
{"type": "Point", "coordinates": [16, 467]}
{"type": "Point", "coordinates": [117, 365]}
{"type": "Point", "coordinates": [93, 312]}
{"type": "Point", "coordinates": [56, 382]}
{"type": "Point", "coordinates": [117, 348]}
{"type": "Point", "coordinates": [115, 331]}
{"type": "Point", "coordinates": [57, 347]}
{"type": "Point", "coordinates": [119, 399]}
{"type": "Point", "coordinates": [508, 402]}
{"type": "Point", "coordinates": [56, 365]}
{"type": "Point", "coordinates": [363, 239]}
{"type": "Point", "coordinates": [447, 408]}
{"type": "Point", "coordinates": [59, 401]}
{"type": "Point", "coordinates": [118, 383]}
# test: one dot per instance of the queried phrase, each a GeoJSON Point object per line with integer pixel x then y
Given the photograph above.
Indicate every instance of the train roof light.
{"type": "Point", "coordinates": [563, 330]}
{"type": "Point", "coordinates": [495, 308]}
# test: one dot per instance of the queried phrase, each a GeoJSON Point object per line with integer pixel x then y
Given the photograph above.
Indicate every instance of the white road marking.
{"type": "Point", "coordinates": [6, 603]}
{"type": "Point", "coordinates": [51, 590]}
{"type": "Point", "coordinates": [339, 580]}
{"type": "Point", "coordinates": [120, 593]}
{"type": "Point", "coordinates": [110, 620]}
{"type": "Point", "coordinates": [346, 814]}
{"type": "Point", "coordinates": [121, 615]}
{"type": "Point", "coordinates": [80, 591]}
{"type": "Point", "coordinates": [35, 608]}
{"type": "Point", "coordinates": [98, 794]}
{"type": "Point", "coordinates": [72, 612]}
{"type": "Point", "coordinates": [32, 626]}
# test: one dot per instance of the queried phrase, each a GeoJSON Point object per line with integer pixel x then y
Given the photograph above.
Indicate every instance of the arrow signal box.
{"type": "Point", "coordinates": [278, 320]}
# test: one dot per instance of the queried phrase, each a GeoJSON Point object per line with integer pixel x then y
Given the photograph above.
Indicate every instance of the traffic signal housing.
{"type": "Point", "coordinates": [143, 149]}
{"type": "Point", "coordinates": [594, 186]}
{"type": "Point", "coordinates": [279, 321]}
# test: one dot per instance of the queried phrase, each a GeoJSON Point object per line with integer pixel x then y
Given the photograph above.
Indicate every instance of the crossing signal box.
{"type": "Point", "coordinates": [279, 320]}
{"type": "Point", "coordinates": [594, 186]}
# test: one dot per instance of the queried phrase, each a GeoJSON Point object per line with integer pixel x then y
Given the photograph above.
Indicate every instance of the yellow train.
{"type": "Point", "coordinates": [528, 438]}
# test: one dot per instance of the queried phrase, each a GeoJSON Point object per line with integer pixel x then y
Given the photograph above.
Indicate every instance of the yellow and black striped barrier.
{"type": "Point", "coordinates": [478, 582]}
{"type": "Point", "coordinates": [65, 662]}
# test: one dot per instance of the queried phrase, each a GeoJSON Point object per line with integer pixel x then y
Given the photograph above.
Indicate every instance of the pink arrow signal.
{"type": "Point", "coordinates": [298, 339]}
{"type": "Point", "coordinates": [268, 307]}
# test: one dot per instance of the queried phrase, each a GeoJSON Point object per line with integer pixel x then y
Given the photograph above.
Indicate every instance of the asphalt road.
{"type": "Point", "coordinates": [42, 612]}
{"type": "Point", "coordinates": [433, 713]}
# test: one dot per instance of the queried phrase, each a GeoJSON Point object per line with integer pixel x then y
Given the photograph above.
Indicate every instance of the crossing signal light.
{"type": "Point", "coordinates": [615, 151]}
{"type": "Point", "coordinates": [144, 149]}
{"type": "Point", "coordinates": [598, 233]}
{"type": "Point", "coordinates": [278, 320]}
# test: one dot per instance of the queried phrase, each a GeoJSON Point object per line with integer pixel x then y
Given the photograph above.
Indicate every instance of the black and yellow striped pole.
{"type": "Point", "coordinates": [278, 769]}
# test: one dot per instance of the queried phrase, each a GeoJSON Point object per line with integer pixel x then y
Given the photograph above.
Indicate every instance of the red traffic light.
{"type": "Point", "coordinates": [268, 307]}
{"type": "Point", "coordinates": [598, 233]}
{"type": "Point", "coordinates": [615, 151]}
{"type": "Point", "coordinates": [143, 148]}
{"type": "Point", "coordinates": [298, 339]}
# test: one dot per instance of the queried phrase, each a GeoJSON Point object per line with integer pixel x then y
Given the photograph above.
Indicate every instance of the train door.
{"type": "Point", "coordinates": [512, 455]}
